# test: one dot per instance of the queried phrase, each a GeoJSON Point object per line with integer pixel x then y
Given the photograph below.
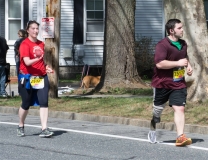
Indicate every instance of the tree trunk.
{"type": "Point", "coordinates": [119, 65]}
{"type": "Point", "coordinates": [192, 15]}
{"type": "Point", "coordinates": [52, 47]}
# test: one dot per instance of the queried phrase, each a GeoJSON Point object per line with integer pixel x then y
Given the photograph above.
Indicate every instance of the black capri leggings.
{"type": "Point", "coordinates": [28, 94]}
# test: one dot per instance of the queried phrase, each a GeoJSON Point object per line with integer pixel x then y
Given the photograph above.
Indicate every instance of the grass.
{"type": "Point", "coordinates": [135, 91]}
{"type": "Point", "coordinates": [76, 80]}
{"type": "Point", "coordinates": [139, 108]}
{"type": "Point", "coordinates": [69, 81]}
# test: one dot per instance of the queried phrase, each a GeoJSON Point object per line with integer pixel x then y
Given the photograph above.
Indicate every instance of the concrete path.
{"type": "Point", "coordinates": [12, 89]}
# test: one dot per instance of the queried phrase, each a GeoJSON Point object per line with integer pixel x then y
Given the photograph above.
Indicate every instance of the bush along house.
{"type": "Point", "coordinates": [81, 29]}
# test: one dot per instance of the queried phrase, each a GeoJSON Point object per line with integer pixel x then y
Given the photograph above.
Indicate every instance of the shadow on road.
{"type": "Point", "coordinates": [194, 140]}
{"type": "Point", "coordinates": [56, 133]}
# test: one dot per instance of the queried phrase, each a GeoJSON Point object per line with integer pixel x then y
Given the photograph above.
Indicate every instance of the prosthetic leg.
{"type": "Point", "coordinates": [157, 110]}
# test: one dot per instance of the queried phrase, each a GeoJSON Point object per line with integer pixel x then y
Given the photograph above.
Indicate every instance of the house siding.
{"type": "Point", "coordinates": [66, 28]}
{"type": "Point", "coordinates": [94, 55]}
{"type": "Point", "coordinates": [34, 10]}
{"type": "Point", "coordinates": [149, 20]}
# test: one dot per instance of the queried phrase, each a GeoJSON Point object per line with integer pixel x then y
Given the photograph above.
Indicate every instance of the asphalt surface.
{"type": "Point", "coordinates": [103, 119]}
{"type": "Point", "coordinates": [91, 137]}
{"type": "Point", "coordinates": [82, 140]}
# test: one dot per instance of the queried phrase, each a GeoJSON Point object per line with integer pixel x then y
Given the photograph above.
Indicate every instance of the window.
{"type": "Point", "coordinates": [206, 10]}
{"type": "Point", "coordinates": [94, 26]}
{"type": "Point", "coordinates": [13, 19]}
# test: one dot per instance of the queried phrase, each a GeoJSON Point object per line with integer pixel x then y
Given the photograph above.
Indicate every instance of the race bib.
{"type": "Point", "coordinates": [37, 82]}
{"type": "Point", "coordinates": [178, 74]}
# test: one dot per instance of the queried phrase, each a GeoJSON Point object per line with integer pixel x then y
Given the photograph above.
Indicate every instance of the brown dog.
{"type": "Point", "coordinates": [90, 81]}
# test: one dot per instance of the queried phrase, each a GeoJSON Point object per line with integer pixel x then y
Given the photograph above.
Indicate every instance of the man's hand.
{"type": "Point", "coordinates": [183, 62]}
{"type": "Point", "coordinates": [189, 70]}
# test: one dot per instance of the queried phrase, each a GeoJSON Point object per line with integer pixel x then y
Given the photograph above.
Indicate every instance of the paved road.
{"type": "Point", "coordinates": [81, 140]}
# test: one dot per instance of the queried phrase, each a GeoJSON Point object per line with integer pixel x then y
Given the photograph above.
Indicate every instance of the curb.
{"type": "Point", "coordinates": [107, 119]}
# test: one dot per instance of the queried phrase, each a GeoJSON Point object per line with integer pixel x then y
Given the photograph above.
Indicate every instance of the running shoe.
{"type": "Point", "coordinates": [152, 136]}
{"type": "Point", "coordinates": [20, 132]}
{"type": "Point", "coordinates": [46, 133]}
{"type": "Point", "coordinates": [183, 140]}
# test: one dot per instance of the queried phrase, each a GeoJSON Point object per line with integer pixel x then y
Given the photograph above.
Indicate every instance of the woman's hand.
{"type": "Point", "coordinates": [49, 69]}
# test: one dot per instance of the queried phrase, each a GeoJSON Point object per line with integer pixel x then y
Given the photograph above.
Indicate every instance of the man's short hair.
{"type": "Point", "coordinates": [171, 24]}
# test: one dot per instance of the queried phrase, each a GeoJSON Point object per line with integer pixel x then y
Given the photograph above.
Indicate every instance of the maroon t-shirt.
{"type": "Point", "coordinates": [165, 50]}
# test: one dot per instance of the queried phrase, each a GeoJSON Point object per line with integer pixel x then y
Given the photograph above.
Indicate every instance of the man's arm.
{"type": "Point", "coordinates": [165, 64]}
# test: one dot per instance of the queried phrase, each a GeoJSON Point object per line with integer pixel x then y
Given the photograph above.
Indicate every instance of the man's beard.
{"type": "Point", "coordinates": [178, 36]}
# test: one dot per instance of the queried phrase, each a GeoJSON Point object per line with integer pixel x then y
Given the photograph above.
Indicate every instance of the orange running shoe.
{"type": "Point", "coordinates": [183, 140]}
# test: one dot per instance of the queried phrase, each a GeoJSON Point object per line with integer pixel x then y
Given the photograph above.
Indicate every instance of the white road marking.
{"type": "Point", "coordinates": [105, 135]}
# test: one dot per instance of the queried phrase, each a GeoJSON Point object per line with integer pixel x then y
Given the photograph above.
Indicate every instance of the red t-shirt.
{"type": "Point", "coordinates": [164, 78]}
{"type": "Point", "coordinates": [29, 49]}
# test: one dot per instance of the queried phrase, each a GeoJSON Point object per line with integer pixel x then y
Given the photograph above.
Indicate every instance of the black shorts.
{"type": "Point", "coordinates": [176, 97]}
{"type": "Point", "coordinates": [28, 94]}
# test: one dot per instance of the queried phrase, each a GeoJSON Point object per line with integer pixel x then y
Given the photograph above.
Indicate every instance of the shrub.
{"type": "Point", "coordinates": [144, 55]}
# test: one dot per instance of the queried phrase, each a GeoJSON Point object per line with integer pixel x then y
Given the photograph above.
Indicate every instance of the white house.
{"type": "Point", "coordinates": [81, 28]}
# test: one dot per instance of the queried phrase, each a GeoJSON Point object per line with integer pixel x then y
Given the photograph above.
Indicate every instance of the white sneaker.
{"type": "Point", "coordinates": [152, 137]}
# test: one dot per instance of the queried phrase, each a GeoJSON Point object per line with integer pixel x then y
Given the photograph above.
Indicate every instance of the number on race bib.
{"type": "Point", "coordinates": [37, 82]}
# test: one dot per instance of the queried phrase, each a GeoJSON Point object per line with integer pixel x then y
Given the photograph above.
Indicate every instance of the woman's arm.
{"type": "Point", "coordinates": [29, 61]}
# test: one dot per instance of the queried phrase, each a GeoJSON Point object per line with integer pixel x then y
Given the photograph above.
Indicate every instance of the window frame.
{"type": "Point", "coordinates": [7, 19]}
{"type": "Point", "coordinates": [90, 42]}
